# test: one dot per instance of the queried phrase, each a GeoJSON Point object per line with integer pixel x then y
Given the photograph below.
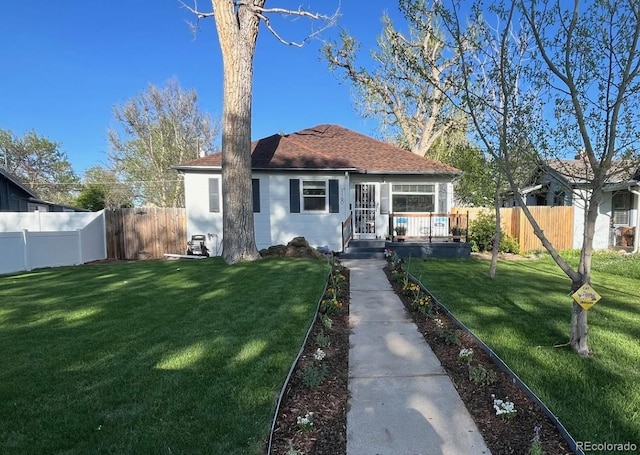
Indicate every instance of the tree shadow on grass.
{"type": "Point", "coordinates": [179, 356]}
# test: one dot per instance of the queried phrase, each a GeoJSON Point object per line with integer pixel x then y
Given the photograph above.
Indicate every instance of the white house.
{"type": "Point", "coordinates": [566, 182]}
{"type": "Point", "coordinates": [310, 182]}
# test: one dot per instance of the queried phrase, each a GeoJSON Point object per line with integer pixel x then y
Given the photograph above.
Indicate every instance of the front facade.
{"type": "Point", "coordinates": [311, 182]}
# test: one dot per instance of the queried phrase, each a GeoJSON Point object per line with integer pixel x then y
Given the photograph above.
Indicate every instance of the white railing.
{"type": "Point", "coordinates": [429, 226]}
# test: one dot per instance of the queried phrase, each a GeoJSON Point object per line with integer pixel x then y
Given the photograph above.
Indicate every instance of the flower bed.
{"type": "Point", "coordinates": [312, 418]}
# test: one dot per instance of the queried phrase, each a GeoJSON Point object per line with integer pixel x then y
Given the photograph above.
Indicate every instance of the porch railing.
{"type": "Point", "coordinates": [347, 231]}
{"type": "Point", "coordinates": [430, 226]}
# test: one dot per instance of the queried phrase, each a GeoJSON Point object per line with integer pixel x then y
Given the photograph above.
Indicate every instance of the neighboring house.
{"type": "Point", "coordinates": [566, 182]}
{"type": "Point", "coordinates": [17, 197]}
{"type": "Point", "coordinates": [309, 182]}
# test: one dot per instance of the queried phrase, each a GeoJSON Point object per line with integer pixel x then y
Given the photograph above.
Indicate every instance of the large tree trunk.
{"type": "Point", "coordinates": [237, 33]}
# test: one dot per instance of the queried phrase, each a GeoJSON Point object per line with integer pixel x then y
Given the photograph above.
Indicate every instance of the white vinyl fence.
{"type": "Point", "coordinates": [31, 240]}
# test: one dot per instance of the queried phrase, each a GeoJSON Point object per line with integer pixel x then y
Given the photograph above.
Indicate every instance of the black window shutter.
{"type": "Point", "coordinates": [294, 195]}
{"type": "Point", "coordinates": [214, 195]}
{"type": "Point", "coordinates": [255, 188]}
{"type": "Point", "coordinates": [334, 200]}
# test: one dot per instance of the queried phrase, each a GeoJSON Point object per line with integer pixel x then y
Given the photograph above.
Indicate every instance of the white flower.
{"type": "Point", "coordinates": [465, 354]}
{"type": "Point", "coordinates": [504, 408]}
{"type": "Point", "coordinates": [319, 354]}
{"type": "Point", "coordinates": [306, 422]}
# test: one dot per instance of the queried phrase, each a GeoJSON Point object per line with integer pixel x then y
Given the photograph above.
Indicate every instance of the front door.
{"type": "Point", "coordinates": [365, 210]}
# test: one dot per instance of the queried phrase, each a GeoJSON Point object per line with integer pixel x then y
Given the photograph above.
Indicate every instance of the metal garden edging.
{"type": "Point", "coordinates": [504, 367]}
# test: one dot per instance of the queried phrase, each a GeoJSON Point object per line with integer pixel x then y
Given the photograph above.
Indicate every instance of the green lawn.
{"type": "Point", "coordinates": [526, 310]}
{"type": "Point", "coordinates": [150, 357]}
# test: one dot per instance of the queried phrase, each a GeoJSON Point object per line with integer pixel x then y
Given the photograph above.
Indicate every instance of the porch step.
{"type": "Point", "coordinates": [364, 249]}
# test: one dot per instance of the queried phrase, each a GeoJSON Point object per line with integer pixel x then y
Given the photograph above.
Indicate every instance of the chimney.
{"type": "Point", "coordinates": [581, 155]}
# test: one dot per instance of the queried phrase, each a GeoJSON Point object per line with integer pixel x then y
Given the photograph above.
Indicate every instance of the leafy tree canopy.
{"type": "Point", "coordinates": [40, 164]}
{"type": "Point", "coordinates": [160, 128]}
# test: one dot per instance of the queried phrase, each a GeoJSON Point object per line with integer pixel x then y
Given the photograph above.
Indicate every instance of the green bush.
{"type": "Point", "coordinates": [480, 376]}
{"type": "Point", "coordinates": [509, 244]}
{"type": "Point", "coordinates": [483, 231]}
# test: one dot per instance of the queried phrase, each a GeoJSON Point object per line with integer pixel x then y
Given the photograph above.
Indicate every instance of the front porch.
{"type": "Point", "coordinates": [421, 248]}
{"type": "Point", "coordinates": [409, 234]}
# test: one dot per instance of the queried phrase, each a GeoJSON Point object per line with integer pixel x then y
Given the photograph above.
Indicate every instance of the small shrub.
{"type": "Point", "coordinates": [337, 279]}
{"type": "Point", "coordinates": [452, 338]}
{"type": "Point", "coordinates": [330, 306]}
{"type": "Point", "coordinates": [480, 376]}
{"type": "Point", "coordinates": [326, 321]}
{"type": "Point", "coordinates": [509, 244]}
{"type": "Point", "coordinates": [306, 422]}
{"type": "Point", "coordinates": [483, 233]}
{"type": "Point", "coordinates": [313, 375]}
{"type": "Point", "coordinates": [465, 355]}
{"type": "Point", "coordinates": [410, 289]}
{"type": "Point", "coordinates": [322, 340]}
{"type": "Point", "coordinates": [422, 304]}
{"type": "Point", "coordinates": [536, 445]}
{"type": "Point", "coordinates": [397, 277]}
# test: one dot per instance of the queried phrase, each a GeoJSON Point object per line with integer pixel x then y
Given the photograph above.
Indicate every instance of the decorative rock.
{"type": "Point", "coordinates": [296, 248]}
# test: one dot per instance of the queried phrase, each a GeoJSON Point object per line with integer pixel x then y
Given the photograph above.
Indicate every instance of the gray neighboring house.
{"type": "Point", "coordinates": [18, 197]}
{"type": "Point", "coordinates": [566, 183]}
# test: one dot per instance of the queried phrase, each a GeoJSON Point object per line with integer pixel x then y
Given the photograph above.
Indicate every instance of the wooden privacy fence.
{"type": "Point", "coordinates": [145, 233]}
{"type": "Point", "coordinates": [555, 222]}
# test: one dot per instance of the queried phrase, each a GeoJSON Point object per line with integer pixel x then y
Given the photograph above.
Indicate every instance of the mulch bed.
{"type": "Point", "coordinates": [328, 401]}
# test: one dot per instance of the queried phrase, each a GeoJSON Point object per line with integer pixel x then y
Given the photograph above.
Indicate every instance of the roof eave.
{"type": "Point", "coordinates": [201, 168]}
{"type": "Point", "coordinates": [620, 185]}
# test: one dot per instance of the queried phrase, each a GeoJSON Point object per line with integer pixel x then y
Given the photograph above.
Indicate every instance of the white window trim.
{"type": "Point", "coordinates": [326, 196]}
{"type": "Point", "coordinates": [433, 193]}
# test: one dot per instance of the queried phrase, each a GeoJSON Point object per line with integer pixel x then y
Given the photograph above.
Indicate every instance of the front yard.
{"type": "Point", "coordinates": [150, 357]}
{"type": "Point", "coordinates": [524, 314]}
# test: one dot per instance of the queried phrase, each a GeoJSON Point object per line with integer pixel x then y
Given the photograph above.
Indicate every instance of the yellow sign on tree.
{"type": "Point", "coordinates": [586, 296]}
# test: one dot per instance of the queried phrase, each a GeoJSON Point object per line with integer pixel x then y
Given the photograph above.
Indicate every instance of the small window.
{"type": "Point", "coordinates": [314, 195]}
{"type": "Point", "coordinates": [214, 195]}
{"type": "Point", "coordinates": [621, 208]}
{"type": "Point", "coordinates": [255, 190]}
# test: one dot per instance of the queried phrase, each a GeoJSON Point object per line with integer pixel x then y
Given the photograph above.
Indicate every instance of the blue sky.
{"type": "Point", "coordinates": [67, 63]}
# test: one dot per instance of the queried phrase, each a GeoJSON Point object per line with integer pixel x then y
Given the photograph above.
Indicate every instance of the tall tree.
{"type": "Point", "coordinates": [237, 26]}
{"type": "Point", "coordinates": [39, 163]}
{"type": "Point", "coordinates": [586, 60]}
{"type": "Point", "coordinates": [491, 66]}
{"type": "Point", "coordinates": [160, 128]}
{"type": "Point", "coordinates": [589, 62]}
{"type": "Point", "coordinates": [406, 88]}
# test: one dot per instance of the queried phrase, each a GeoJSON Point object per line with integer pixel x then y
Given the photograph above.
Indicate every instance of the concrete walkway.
{"type": "Point", "coordinates": [402, 402]}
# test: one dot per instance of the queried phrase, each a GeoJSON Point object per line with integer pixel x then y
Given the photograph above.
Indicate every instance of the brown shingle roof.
{"type": "Point", "coordinates": [331, 147]}
{"type": "Point", "coordinates": [579, 170]}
